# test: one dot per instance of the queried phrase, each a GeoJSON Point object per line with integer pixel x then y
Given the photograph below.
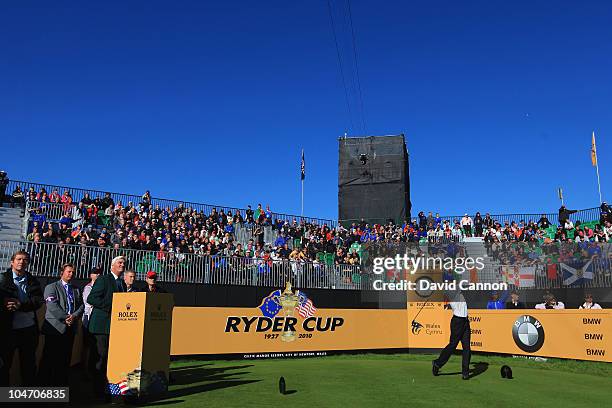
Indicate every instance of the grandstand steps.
{"type": "Point", "coordinates": [11, 224]}
{"type": "Point", "coordinates": [475, 248]}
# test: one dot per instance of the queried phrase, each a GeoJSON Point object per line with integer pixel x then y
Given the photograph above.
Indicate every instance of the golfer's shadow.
{"type": "Point", "coordinates": [478, 369]}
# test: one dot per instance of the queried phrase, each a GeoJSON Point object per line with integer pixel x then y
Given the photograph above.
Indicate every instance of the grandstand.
{"type": "Point", "coordinates": [201, 243]}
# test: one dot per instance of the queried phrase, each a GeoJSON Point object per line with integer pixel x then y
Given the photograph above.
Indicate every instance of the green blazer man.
{"type": "Point", "coordinates": [101, 298]}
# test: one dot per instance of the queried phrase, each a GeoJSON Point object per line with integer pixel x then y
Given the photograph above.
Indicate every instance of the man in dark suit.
{"type": "Point", "coordinates": [64, 309]}
{"type": "Point", "coordinates": [22, 297]}
{"type": "Point", "coordinates": [101, 298]}
{"type": "Point", "coordinates": [129, 277]}
{"type": "Point", "coordinates": [514, 301]}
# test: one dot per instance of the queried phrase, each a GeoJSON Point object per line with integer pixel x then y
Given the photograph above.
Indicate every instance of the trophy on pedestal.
{"type": "Point", "coordinates": [289, 301]}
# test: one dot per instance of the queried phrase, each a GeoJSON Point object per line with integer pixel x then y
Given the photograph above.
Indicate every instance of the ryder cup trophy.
{"type": "Point", "coordinates": [289, 301]}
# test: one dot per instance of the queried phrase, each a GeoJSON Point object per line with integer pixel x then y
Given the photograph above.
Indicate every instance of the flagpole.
{"type": "Point", "coordinates": [596, 163]}
{"type": "Point", "coordinates": [302, 176]}
{"type": "Point", "coordinates": [598, 183]}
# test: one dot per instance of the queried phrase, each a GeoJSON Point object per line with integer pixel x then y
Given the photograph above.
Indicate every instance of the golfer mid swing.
{"type": "Point", "coordinates": [460, 332]}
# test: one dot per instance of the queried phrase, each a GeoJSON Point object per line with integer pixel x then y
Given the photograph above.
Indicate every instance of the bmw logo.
{"type": "Point", "coordinates": [528, 333]}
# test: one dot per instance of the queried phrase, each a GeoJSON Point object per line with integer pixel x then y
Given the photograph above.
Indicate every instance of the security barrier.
{"type": "Point", "coordinates": [46, 259]}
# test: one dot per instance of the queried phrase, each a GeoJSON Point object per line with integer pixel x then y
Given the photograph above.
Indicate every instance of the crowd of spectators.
{"type": "Point", "coordinates": [181, 230]}
{"type": "Point", "coordinates": [102, 222]}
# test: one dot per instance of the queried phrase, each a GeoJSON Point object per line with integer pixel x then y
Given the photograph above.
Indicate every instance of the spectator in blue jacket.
{"type": "Point", "coordinates": [496, 301]}
{"type": "Point", "coordinates": [280, 241]}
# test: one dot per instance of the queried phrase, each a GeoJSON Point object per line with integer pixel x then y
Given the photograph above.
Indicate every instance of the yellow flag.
{"type": "Point", "coordinates": [593, 151]}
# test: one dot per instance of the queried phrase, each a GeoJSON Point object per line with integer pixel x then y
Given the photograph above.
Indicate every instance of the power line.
{"type": "Point", "coordinates": [348, 105]}
{"type": "Point", "coordinates": [348, 2]}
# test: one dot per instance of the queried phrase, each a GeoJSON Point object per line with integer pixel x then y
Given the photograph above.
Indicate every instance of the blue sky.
{"type": "Point", "coordinates": [213, 102]}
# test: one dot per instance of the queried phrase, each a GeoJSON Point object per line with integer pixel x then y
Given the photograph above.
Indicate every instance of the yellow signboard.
{"type": "Point", "coordinates": [575, 334]}
{"type": "Point", "coordinates": [213, 330]}
{"type": "Point", "coordinates": [139, 347]}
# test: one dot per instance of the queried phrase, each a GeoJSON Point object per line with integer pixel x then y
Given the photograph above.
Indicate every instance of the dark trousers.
{"type": "Point", "coordinates": [92, 351]}
{"type": "Point", "coordinates": [26, 341]}
{"type": "Point", "coordinates": [468, 230]}
{"type": "Point", "coordinates": [100, 380]}
{"type": "Point", "coordinates": [55, 362]}
{"type": "Point", "coordinates": [460, 332]}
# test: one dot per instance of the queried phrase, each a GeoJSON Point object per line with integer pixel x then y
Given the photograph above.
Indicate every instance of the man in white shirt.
{"type": "Point", "coordinates": [466, 224]}
{"type": "Point", "coordinates": [457, 233]}
{"type": "Point", "coordinates": [588, 303]}
{"type": "Point", "coordinates": [460, 332]}
{"type": "Point", "coordinates": [550, 302]}
{"type": "Point", "coordinates": [608, 230]}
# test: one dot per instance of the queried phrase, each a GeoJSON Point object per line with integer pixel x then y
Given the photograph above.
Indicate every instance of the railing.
{"type": "Point", "coordinates": [601, 276]}
{"type": "Point", "coordinates": [588, 214]}
{"type": "Point", "coordinates": [46, 259]}
{"type": "Point", "coordinates": [52, 211]}
{"type": "Point", "coordinates": [78, 193]}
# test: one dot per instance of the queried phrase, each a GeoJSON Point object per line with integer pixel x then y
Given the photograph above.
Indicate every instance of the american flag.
{"type": "Point", "coordinates": [305, 306]}
{"type": "Point", "coordinates": [121, 388]}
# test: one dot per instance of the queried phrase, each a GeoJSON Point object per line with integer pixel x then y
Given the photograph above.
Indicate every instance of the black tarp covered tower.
{"type": "Point", "coordinates": [373, 179]}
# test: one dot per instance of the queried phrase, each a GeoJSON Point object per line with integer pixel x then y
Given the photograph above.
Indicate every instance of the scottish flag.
{"type": "Point", "coordinates": [577, 275]}
{"type": "Point", "coordinates": [269, 306]}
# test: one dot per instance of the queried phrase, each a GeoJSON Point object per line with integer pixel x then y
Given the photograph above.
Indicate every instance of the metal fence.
{"type": "Point", "coordinates": [585, 215]}
{"type": "Point", "coordinates": [51, 211]}
{"type": "Point", "coordinates": [46, 259]}
{"type": "Point", "coordinates": [78, 193]}
{"type": "Point", "coordinates": [601, 276]}
{"type": "Point", "coordinates": [244, 232]}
